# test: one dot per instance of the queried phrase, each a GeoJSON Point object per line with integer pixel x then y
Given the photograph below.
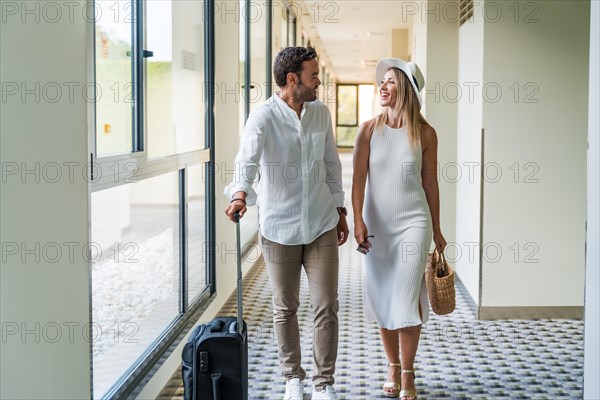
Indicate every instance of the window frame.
{"type": "Point", "coordinates": [116, 170]}
{"type": "Point", "coordinates": [357, 111]}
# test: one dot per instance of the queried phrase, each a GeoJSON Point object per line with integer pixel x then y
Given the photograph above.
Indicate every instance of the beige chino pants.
{"type": "Point", "coordinates": [321, 263]}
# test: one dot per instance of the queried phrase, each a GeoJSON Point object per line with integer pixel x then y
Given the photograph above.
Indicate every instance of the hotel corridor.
{"type": "Point", "coordinates": [459, 357]}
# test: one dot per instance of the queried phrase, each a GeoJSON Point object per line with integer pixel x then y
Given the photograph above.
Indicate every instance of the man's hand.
{"type": "Point", "coordinates": [342, 230]}
{"type": "Point", "coordinates": [238, 204]}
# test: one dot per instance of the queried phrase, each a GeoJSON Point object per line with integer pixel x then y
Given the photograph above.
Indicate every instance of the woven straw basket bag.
{"type": "Point", "coordinates": [439, 278]}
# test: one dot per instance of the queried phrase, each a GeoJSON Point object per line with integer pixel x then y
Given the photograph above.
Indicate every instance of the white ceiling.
{"type": "Point", "coordinates": [352, 32]}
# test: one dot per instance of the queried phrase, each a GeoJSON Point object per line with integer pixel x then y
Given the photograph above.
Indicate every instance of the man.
{"type": "Point", "coordinates": [302, 219]}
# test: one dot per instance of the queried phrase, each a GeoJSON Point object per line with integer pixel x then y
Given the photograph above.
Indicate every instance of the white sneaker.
{"type": "Point", "coordinates": [326, 393]}
{"type": "Point", "coordinates": [294, 389]}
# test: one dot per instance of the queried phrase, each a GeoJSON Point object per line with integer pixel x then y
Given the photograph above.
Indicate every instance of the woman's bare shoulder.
{"type": "Point", "coordinates": [428, 136]}
{"type": "Point", "coordinates": [368, 124]}
{"type": "Point", "coordinates": [428, 131]}
{"type": "Point", "coordinates": [366, 128]}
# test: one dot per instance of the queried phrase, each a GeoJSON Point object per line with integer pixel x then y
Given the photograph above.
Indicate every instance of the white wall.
{"type": "Point", "coordinates": [258, 48]}
{"type": "Point", "coordinates": [45, 297]}
{"type": "Point", "coordinates": [591, 384]}
{"type": "Point", "coordinates": [545, 220]}
{"type": "Point", "coordinates": [470, 72]}
{"type": "Point", "coordinates": [442, 110]}
{"type": "Point", "coordinates": [418, 45]}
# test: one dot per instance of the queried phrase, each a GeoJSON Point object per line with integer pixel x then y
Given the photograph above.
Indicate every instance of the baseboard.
{"type": "Point", "coordinates": [493, 313]}
{"type": "Point", "coordinates": [498, 313]}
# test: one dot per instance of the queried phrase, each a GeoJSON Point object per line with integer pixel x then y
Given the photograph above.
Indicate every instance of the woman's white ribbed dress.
{"type": "Point", "coordinates": [397, 214]}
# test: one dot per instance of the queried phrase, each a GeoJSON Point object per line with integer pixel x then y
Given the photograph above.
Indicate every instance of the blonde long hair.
{"type": "Point", "coordinates": [407, 105]}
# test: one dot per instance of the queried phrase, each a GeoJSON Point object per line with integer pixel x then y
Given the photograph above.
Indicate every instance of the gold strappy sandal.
{"type": "Point", "coordinates": [408, 392]}
{"type": "Point", "coordinates": [392, 389]}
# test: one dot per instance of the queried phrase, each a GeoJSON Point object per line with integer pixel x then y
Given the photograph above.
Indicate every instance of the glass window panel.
{"type": "Point", "coordinates": [135, 272]}
{"type": "Point", "coordinates": [366, 96]}
{"type": "Point", "coordinates": [114, 96]}
{"type": "Point", "coordinates": [196, 231]}
{"type": "Point", "coordinates": [175, 75]}
{"type": "Point", "coordinates": [346, 135]}
{"type": "Point", "coordinates": [347, 104]}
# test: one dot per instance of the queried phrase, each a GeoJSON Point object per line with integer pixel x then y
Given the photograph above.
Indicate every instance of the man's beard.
{"type": "Point", "coordinates": [305, 93]}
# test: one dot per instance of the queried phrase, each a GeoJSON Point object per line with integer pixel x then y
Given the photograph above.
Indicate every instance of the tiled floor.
{"type": "Point", "coordinates": [459, 357]}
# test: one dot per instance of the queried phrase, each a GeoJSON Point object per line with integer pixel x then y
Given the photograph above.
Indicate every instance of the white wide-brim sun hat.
{"type": "Point", "coordinates": [409, 68]}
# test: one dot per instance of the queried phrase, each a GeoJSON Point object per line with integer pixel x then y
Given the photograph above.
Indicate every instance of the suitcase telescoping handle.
{"type": "Point", "coordinates": [240, 313]}
{"type": "Point", "coordinates": [216, 378]}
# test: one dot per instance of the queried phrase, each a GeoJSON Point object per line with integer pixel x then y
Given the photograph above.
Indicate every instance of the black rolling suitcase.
{"type": "Point", "coordinates": [215, 358]}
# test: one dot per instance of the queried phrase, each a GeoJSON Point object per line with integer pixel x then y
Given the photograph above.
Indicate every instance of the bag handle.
{"type": "Point", "coordinates": [240, 311]}
{"type": "Point", "coordinates": [440, 264]}
{"type": "Point", "coordinates": [216, 377]}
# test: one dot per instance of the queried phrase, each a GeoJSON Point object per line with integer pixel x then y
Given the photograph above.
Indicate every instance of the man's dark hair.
{"type": "Point", "coordinates": [289, 60]}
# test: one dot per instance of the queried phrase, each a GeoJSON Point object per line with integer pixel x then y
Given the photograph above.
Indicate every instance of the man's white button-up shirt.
{"type": "Point", "coordinates": [298, 169]}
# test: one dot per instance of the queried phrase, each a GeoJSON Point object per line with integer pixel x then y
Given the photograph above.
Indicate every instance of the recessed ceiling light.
{"type": "Point", "coordinates": [368, 63]}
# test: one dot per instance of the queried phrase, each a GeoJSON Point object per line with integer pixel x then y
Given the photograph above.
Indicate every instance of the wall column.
{"type": "Point", "coordinates": [44, 201]}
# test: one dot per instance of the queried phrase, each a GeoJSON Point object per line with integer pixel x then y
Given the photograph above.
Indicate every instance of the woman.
{"type": "Point", "coordinates": [397, 151]}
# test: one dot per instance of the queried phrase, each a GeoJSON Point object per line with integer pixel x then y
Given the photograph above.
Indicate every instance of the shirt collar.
{"type": "Point", "coordinates": [289, 109]}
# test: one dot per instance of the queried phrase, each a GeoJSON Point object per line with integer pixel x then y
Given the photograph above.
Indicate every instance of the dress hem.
{"type": "Point", "coordinates": [381, 325]}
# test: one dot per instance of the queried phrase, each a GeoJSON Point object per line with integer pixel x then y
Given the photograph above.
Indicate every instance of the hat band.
{"type": "Point", "coordinates": [415, 81]}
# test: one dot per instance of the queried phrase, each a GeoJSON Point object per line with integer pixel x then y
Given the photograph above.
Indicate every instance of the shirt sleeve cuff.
{"type": "Point", "coordinates": [232, 189]}
{"type": "Point", "coordinates": [338, 198]}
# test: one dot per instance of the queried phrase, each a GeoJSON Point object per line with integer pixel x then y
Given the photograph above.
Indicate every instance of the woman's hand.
{"type": "Point", "coordinates": [438, 239]}
{"type": "Point", "coordinates": [361, 235]}
{"type": "Point", "coordinates": [360, 231]}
